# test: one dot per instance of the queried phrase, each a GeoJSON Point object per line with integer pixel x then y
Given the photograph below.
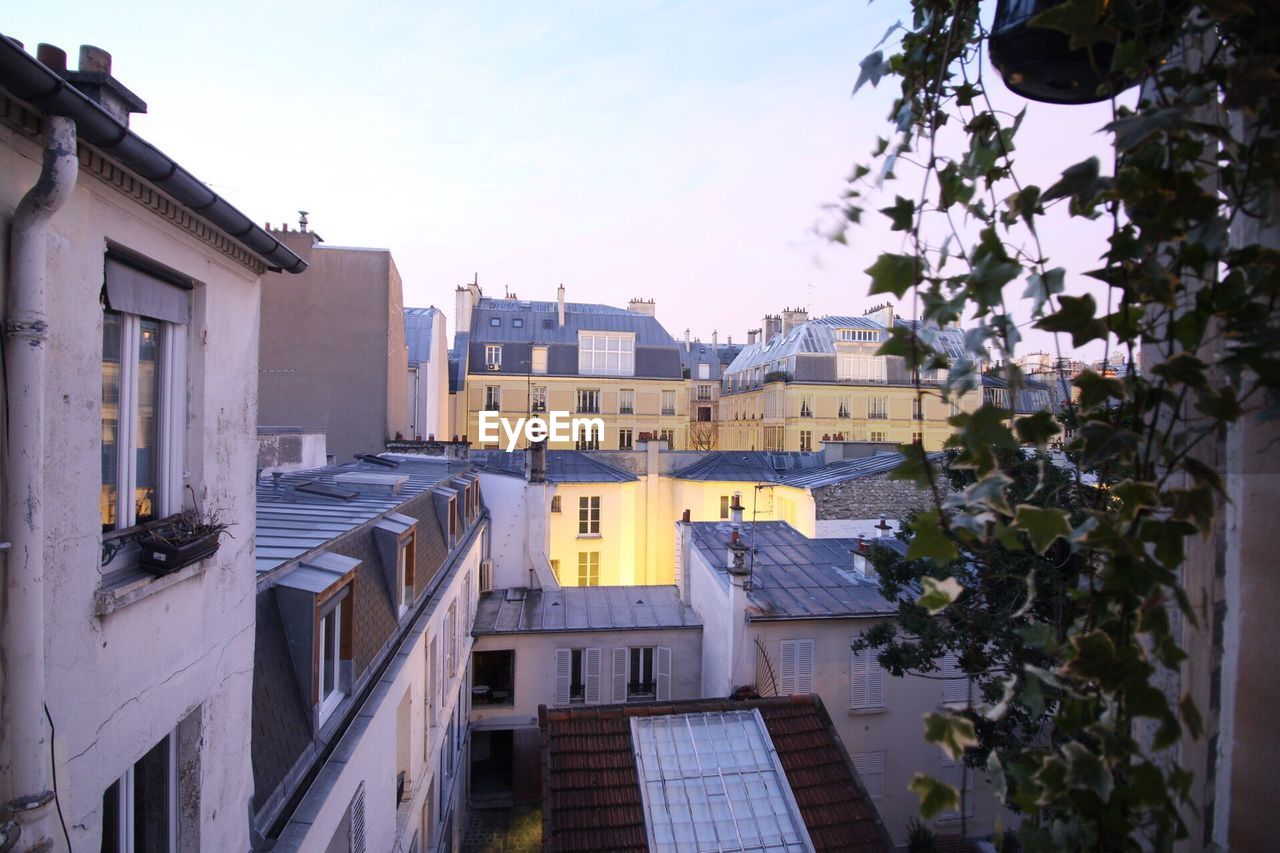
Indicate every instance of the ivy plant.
{"type": "Point", "coordinates": [1054, 581]}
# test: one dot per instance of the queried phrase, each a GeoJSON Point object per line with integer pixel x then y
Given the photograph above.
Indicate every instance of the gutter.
{"type": "Point", "coordinates": [37, 84]}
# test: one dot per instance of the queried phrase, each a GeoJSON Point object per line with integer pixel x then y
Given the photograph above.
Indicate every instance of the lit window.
{"type": "Point", "coordinates": [606, 355]}
{"type": "Point", "coordinates": [588, 568]}
{"type": "Point", "coordinates": [589, 516]}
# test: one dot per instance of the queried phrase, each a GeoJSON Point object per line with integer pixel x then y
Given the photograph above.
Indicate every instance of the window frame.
{"type": "Point", "coordinates": [626, 438]}
{"type": "Point", "coordinates": [635, 653]}
{"type": "Point", "coordinates": [126, 796]}
{"type": "Point", "coordinates": [492, 356]}
{"type": "Point", "coordinates": [595, 349]}
{"type": "Point", "coordinates": [492, 398]}
{"type": "Point", "coordinates": [330, 639]}
{"type": "Point", "coordinates": [626, 401]}
{"type": "Point", "coordinates": [589, 568]}
{"type": "Point", "coordinates": [588, 515]}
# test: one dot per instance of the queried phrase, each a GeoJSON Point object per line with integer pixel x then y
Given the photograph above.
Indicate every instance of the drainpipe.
{"type": "Point", "coordinates": [22, 631]}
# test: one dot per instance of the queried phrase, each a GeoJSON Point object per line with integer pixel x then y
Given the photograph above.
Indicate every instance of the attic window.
{"type": "Point", "coordinates": [517, 322]}
{"type": "Point", "coordinates": [395, 536]}
{"type": "Point", "coordinates": [546, 323]}
{"type": "Point", "coordinates": [495, 321]}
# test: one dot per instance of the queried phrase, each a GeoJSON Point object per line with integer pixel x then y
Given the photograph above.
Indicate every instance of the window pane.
{"type": "Point", "coordinates": [147, 419]}
{"type": "Point", "coordinates": [110, 418]}
{"type": "Point", "coordinates": [151, 799]}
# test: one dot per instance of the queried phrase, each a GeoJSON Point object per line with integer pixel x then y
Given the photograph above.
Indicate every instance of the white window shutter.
{"type": "Point", "coordinates": [870, 767]}
{"type": "Point", "coordinates": [875, 681]}
{"type": "Point", "coordinates": [955, 686]}
{"type": "Point", "coordinates": [787, 668]}
{"type": "Point", "coordinates": [664, 674]}
{"type": "Point", "coordinates": [619, 675]}
{"type": "Point", "coordinates": [858, 679]}
{"type": "Point", "coordinates": [593, 676]}
{"type": "Point", "coordinates": [357, 821]}
{"type": "Point", "coordinates": [564, 661]}
{"type": "Point", "coordinates": [804, 666]}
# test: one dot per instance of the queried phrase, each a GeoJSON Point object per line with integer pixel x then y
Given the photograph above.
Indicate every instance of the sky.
{"type": "Point", "coordinates": [682, 152]}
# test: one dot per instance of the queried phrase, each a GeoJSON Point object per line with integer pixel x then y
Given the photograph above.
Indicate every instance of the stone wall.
{"type": "Point", "coordinates": [875, 496]}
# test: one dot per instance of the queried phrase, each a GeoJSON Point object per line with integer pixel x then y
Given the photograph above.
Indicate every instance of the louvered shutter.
{"type": "Point", "coordinates": [870, 767]}
{"type": "Point", "coordinates": [787, 668]}
{"type": "Point", "coordinates": [858, 680]}
{"type": "Point", "coordinates": [804, 666]}
{"type": "Point", "coordinates": [592, 680]}
{"type": "Point", "coordinates": [875, 681]}
{"type": "Point", "coordinates": [955, 687]}
{"type": "Point", "coordinates": [664, 674]}
{"type": "Point", "coordinates": [564, 662]}
{"type": "Point", "coordinates": [619, 675]}
{"type": "Point", "coordinates": [357, 821]}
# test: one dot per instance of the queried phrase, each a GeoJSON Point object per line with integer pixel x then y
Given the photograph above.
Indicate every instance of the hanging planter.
{"type": "Point", "coordinates": [178, 541]}
{"type": "Point", "coordinates": [1038, 62]}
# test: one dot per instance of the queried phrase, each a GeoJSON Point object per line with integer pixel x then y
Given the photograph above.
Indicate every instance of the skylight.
{"type": "Point", "coordinates": [713, 782]}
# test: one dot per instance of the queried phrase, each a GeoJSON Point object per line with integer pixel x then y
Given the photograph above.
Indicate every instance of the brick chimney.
{"type": "Point", "coordinates": [94, 79]}
{"type": "Point", "coordinates": [772, 327]}
{"type": "Point", "coordinates": [643, 306]}
{"type": "Point", "coordinates": [792, 317]}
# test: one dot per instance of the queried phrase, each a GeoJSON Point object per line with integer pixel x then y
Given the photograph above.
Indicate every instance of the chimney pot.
{"type": "Point", "coordinates": [94, 59]}
{"type": "Point", "coordinates": [52, 56]}
{"type": "Point", "coordinates": [686, 516]}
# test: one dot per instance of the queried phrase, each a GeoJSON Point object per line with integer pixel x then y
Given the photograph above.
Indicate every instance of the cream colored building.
{"type": "Point", "coordinates": [517, 358]}
{"type": "Point", "coordinates": [816, 380]}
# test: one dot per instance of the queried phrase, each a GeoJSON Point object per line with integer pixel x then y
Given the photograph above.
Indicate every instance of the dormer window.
{"type": "Point", "coordinates": [315, 601]}
{"type": "Point", "coordinates": [606, 354]}
{"type": "Point", "coordinates": [495, 322]}
{"type": "Point", "coordinates": [862, 336]}
{"type": "Point", "coordinates": [517, 322]}
{"type": "Point", "coordinates": [493, 357]}
{"type": "Point", "coordinates": [396, 538]}
{"type": "Point", "coordinates": [329, 659]}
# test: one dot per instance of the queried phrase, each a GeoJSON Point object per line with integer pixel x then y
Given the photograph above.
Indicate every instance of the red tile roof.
{"type": "Point", "coordinates": [592, 793]}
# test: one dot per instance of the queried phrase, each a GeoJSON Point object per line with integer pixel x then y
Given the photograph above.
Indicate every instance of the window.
{"type": "Point", "coordinates": [669, 436]}
{"type": "Point", "coordinates": [860, 368]}
{"type": "Point", "coordinates": [493, 398]}
{"type": "Point", "coordinates": [494, 678]}
{"type": "Point", "coordinates": [640, 681]}
{"type": "Point", "coordinates": [626, 401]}
{"type": "Point", "coordinates": [876, 436]}
{"type": "Point", "coordinates": [539, 360]}
{"type": "Point", "coordinates": [725, 503]}
{"type": "Point", "coordinates": [960, 777]}
{"type": "Point", "coordinates": [332, 648]}
{"type": "Point", "coordinates": [842, 408]}
{"type": "Point", "coordinates": [577, 676]}
{"type": "Point", "coordinates": [668, 402]}
{"type": "Point", "coordinates": [917, 438]}
{"type": "Point", "coordinates": [866, 680]}
{"type": "Point", "coordinates": [955, 684]}
{"type": "Point", "coordinates": [589, 401]}
{"type": "Point", "coordinates": [144, 380]}
{"type": "Point", "coordinates": [795, 670]}
{"type": "Point", "coordinates": [878, 408]}
{"type": "Point", "coordinates": [495, 322]}
{"type": "Point", "coordinates": [806, 406]}
{"type": "Point", "coordinates": [433, 687]}
{"type": "Point", "coordinates": [555, 570]}
{"type": "Point", "coordinates": [555, 503]}
{"type": "Point", "coordinates": [493, 357]}
{"type": "Point", "coordinates": [404, 572]}
{"type": "Point", "coordinates": [870, 767]}
{"type": "Point", "coordinates": [704, 371]}
{"type": "Point", "coordinates": [704, 414]}
{"type": "Point", "coordinates": [140, 809]}
{"type": "Point", "coordinates": [806, 440]}
{"type": "Point", "coordinates": [606, 355]}
{"type": "Point", "coordinates": [538, 398]}
{"type": "Point", "coordinates": [450, 631]}
{"type": "Point", "coordinates": [625, 439]}
{"type": "Point", "coordinates": [589, 516]}
{"type": "Point", "coordinates": [588, 568]}
{"type": "Point", "coordinates": [704, 392]}
{"type": "Point", "coordinates": [517, 322]}
{"type": "Point", "coordinates": [917, 408]}
{"type": "Point", "coordinates": [858, 335]}
{"type": "Point", "coordinates": [588, 440]}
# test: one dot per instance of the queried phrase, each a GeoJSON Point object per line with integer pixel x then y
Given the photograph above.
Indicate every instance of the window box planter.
{"type": "Point", "coordinates": [178, 541]}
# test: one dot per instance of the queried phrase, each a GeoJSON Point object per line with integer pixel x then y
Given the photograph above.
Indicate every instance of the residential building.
{"type": "Point", "coordinates": [780, 612]}
{"type": "Point", "coordinates": [809, 381]}
{"type": "Point", "coordinates": [521, 358]}
{"type": "Point", "coordinates": [367, 580]}
{"type": "Point", "coordinates": [332, 348]}
{"type": "Point", "coordinates": [703, 367]}
{"type": "Point", "coordinates": [567, 648]}
{"type": "Point", "coordinates": [1033, 395]}
{"type": "Point", "coordinates": [428, 388]}
{"type": "Point", "coordinates": [130, 359]}
{"type": "Point", "coordinates": [708, 774]}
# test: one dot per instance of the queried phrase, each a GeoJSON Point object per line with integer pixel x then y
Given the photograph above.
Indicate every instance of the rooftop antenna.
{"type": "Point", "coordinates": [302, 220]}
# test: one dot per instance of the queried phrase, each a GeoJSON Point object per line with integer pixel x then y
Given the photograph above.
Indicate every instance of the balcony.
{"type": "Point", "coordinates": [626, 410]}
{"type": "Point", "coordinates": [668, 410]}
{"type": "Point", "coordinates": [588, 409]}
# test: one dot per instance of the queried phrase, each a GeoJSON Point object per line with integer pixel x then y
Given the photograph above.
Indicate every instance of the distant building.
{"type": "Point", "coordinates": [518, 358]}
{"type": "Point", "coordinates": [807, 381]}
{"type": "Point", "coordinates": [332, 347]}
{"type": "Point", "coordinates": [368, 576]}
{"type": "Point", "coordinates": [428, 389]}
{"type": "Point", "coordinates": [704, 368]}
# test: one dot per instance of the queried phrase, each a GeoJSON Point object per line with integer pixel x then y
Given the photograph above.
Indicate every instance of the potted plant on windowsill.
{"type": "Point", "coordinates": [178, 541]}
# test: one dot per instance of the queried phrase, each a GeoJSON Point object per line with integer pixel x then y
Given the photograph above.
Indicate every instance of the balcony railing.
{"type": "Point", "coordinates": [626, 410]}
{"type": "Point", "coordinates": [588, 409]}
{"type": "Point", "coordinates": [668, 410]}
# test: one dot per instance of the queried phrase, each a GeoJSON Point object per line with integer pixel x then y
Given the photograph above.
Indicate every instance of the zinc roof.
{"type": "Point", "coordinates": [563, 466]}
{"type": "Point", "coordinates": [751, 466]}
{"type": "Point", "coordinates": [587, 608]}
{"type": "Point", "coordinates": [540, 322]}
{"type": "Point", "coordinates": [417, 332]}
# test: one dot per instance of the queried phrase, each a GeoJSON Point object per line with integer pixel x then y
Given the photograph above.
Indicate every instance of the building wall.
{"type": "Point", "coordinates": [620, 543]}
{"type": "Point", "coordinates": [283, 450]}
{"type": "Point", "coordinates": [428, 389]}
{"type": "Point", "coordinates": [117, 683]}
{"type": "Point", "coordinates": [874, 496]}
{"type": "Point", "coordinates": [331, 356]}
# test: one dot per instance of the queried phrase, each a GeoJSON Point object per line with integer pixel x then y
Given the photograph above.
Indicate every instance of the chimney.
{"type": "Point", "coordinates": [729, 338]}
{"type": "Point", "coordinates": [885, 528]}
{"type": "Point", "coordinates": [736, 556]}
{"type": "Point", "coordinates": [687, 344]}
{"type": "Point", "coordinates": [94, 79]}
{"type": "Point", "coordinates": [772, 327]}
{"type": "Point", "coordinates": [538, 462]}
{"type": "Point", "coordinates": [753, 337]}
{"type": "Point", "coordinates": [464, 302]}
{"type": "Point", "coordinates": [735, 510]}
{"type": "Point", "coordinates": [643, 306]}
{"type": "Point", "coordinates": [792, 317]}
{"type": "Point", "coordinates": [882, 314]}
{"type": "Point", "coordinates": [715, 340]}
{"type": "Point", "coordinates": [560, 299]}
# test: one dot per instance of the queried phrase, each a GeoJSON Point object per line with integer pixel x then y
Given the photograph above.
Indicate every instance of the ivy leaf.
{"type": "Point", "coordinates": [1133, 130]}
{"type": "Point", "coordinates": [934, 796]}
{"type": "Point", "coordinates": [1042, 525]}
{"type": "Point", "coordinates": [1076, 315]}
{"type": "Point", "coordinates": [989, 492]}
{"type": "Point", "coordinates": [952, 732]}
{"type": "Point", "coordinates": [872, 68]}
{"type": "Point", "coordinates": [1096, 390]}
{"type": "Point", "coordinates": [1036, 429]}
{"type": "Point", "coordinates": [1135, 496]}
{"type": "Point", "coordinates": [1081, 20]}
{"type": "Point", "coordinates": [902, 213]}
{"type": "Point", "coordinates": [892, 274]}
{"type": "Point", "coordinates": [938, 593]}
{"type": "Point", "coordinates": [1086, 771]}
{"type": "Point", "coordinates": [1191, 715]}
{"type": "Point", "coordinates": [1041, 287]}
{"type": "Point", "coordinates": [1078, 180]}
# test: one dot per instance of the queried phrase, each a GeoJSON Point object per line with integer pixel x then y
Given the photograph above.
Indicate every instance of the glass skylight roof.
{"type": "Point", "coordinates": [713, 782]}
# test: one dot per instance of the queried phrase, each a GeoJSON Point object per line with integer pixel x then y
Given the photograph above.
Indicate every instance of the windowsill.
{"type": "Point", "coordinates": [130, 584]}
{"type": "Point", "coordinates": [589, 536]}
{"type": "Point", "coordinates": [868, 712]}
{"type": "Point", "coordinates": [958, 705]}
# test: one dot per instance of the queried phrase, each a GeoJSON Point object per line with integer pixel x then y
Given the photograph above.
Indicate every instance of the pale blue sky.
{"type": "Point", "coordinates": [676, 151]}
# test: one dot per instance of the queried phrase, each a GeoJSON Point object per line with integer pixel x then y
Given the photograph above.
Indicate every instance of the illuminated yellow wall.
{"type": "Point", "coordinates": [620, 542]}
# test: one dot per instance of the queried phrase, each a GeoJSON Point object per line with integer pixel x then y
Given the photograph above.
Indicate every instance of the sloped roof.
{"type": "Point", "coordinates": [563, 466]}
{"type": "Point", "coordinates": [417, 332]}
{"type": "Point", "coordinates": [701, 353]}
{"type": "Point", "coordinates": [817, 337]}
{"type": "Point", "coordinates": [848, 469]}
{"type": "Point", "coordinates": [749, 466]}
{"type": "Point", "coordinates": [539, 322]}
{"type": "Point", "coordinates": [592, 797]}
{"type": "Point", "coordinates": [793, 576]}
{"type": "Point", "coordinates": [582, 608]}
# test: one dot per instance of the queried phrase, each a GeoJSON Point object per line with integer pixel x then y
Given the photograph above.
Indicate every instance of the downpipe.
{"type": "Point", "coordinates": [27, 814]}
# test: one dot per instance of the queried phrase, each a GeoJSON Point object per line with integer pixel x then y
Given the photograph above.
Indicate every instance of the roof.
{"type": "Point", "coordinates": [848, 469]}
{"type": "Point", "coordinates": [793, 576]}
{"type": "Point", "coordinates": [458, 362]}
{"type": "Point", "coordinates": [582, 608]}
{"type": "Point", "coordinates": [751, 466]}
{"type": "Point", "coordinates": [417, 332]}
{"type": "Point", "coordinates": [563, 466]}
{"type": "Point", "coordinates": [1033, 395]}
{"type": "Point", "coordinates": [592, 795]}
{"type": "Point", "coordinates": [540, 322]}
{"type": "Point", "coordinates": [699, 353]}
{"type": "Point", "coordinates": [289, 523]}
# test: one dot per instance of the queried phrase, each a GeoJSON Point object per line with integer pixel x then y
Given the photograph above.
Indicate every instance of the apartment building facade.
{"type": "Point", "coordinates": [131, 365]}
{"type": "Point", "coordinates": [522, 358]}
{"type": "Point", "coordinates": [428, 376]}
{"type": "Point", "coordinates": [813, 380]}
{"type": "Point", "coordinates": [703, 367]}
{"type": "Point", "coordinates": [368, 576]}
